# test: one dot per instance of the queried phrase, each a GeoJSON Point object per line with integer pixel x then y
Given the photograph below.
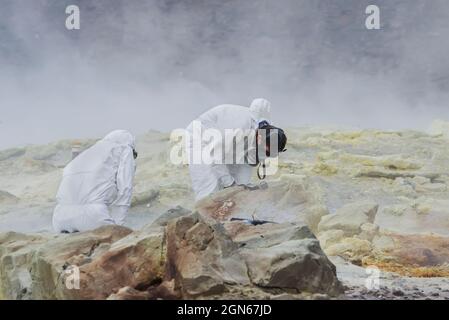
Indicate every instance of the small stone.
{"type": "Point", "coordinates": [398, 293]}
{"type": "Point", "coordinates": [435, 294]}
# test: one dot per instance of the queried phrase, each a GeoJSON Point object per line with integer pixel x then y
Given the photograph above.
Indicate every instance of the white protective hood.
{"type": "Point", "coordinates": [121, 137]}
{"type": "Point", "coordinates": [261, 110]}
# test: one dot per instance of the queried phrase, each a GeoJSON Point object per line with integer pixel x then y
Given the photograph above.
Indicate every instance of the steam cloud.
{"type": "Point", "coordinates": [157, 64]}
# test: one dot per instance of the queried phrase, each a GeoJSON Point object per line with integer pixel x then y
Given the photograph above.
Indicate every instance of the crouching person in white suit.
{"type": "Point", "coordinates": [96, 186]}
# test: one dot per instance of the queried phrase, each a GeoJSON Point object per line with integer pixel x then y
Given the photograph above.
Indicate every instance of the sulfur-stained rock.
{"type": "Point", "coordinates": [350, 217]}
{"type": "Point", "coordinates": [353, 249]}
{"type": "Point", "coordinates": [383, 243]}
{"type": "Point", "coordinates": [323, 168]}
{"type": "Point", "coordinates": [394, 210]}
{"type": "Point", "coordinates": [411, 255]}
{"type": "Point", "coordinates": [420, 216]}
{"type": "Point", "coordinates": [431, 187]}
{"type": "Point", "coordinates": [368, 231]}
{"type": "Point", "coordinates": [312, 216]}
{"type": "Point", "coordinates": [330, 237]}
{"type": "Point", "coordinates": [420, 185]}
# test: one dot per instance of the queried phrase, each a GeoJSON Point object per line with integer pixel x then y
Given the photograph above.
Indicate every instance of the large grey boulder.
{"type": "Point", "coordinates": [295, 264]}
{"type": "Point", "coordinates": [286, 256]}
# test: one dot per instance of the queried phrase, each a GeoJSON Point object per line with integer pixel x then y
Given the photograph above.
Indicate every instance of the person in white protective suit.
{"type": "Point", "coordinates": [208, 178]}
{"type": "Point", "coordinates": [97, 185]}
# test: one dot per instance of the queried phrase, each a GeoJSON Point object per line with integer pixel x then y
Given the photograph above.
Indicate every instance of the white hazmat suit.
{"type": "Point", "coordinates": [209, 178]}
{"type": "Point", "coordinates": [97, 185]}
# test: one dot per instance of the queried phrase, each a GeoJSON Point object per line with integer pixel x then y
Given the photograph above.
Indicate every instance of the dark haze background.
{"type": "Point", "coordinates": [156, 64]}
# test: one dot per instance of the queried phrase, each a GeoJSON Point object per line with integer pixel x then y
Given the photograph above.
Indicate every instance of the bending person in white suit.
{"type": "Point", "coordinates": [254, 125]}
{"type": "Point", "coordinates": [97, 185]}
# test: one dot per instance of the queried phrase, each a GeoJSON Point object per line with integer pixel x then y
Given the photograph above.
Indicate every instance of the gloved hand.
{"type": "Point", "coordinates": [226, 181]}
{"type": "Point", "coordinates": [263, 185]}
{"type": "Point", "coordinates": [250, 186]}
{"type": "Point", "coordinates": [118, 213]}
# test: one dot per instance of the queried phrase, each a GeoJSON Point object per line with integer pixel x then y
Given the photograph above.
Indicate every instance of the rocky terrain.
{"type": "Point", "coordinates": [344, 203]}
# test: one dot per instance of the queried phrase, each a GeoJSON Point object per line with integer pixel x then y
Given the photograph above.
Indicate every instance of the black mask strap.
{"type": "Point", "coordinates": [264, 170]}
